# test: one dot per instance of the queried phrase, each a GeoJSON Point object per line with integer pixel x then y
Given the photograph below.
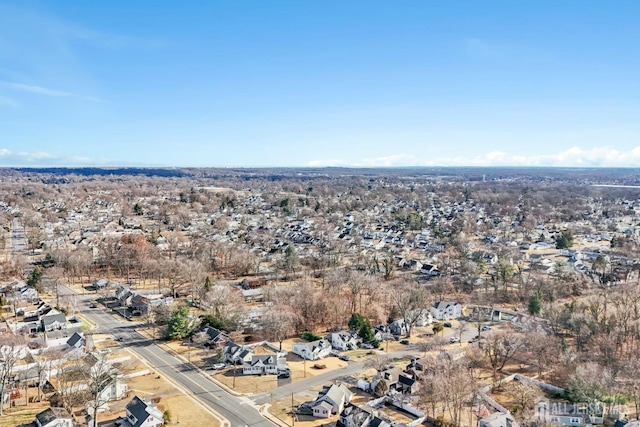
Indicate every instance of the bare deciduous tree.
{"type": "Point", "coordinates": [10, 353]}
{"type": "Point", "coordinates": [279, 323]}
{"type": "Point", "coordinates": [499, 348]}
{"type": "Point", "coordinates": [411, 300]}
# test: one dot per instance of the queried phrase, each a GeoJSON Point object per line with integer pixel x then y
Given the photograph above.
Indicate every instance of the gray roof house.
{"type": "Point", "coordinates": [76, 341]}
{"type": "Point", "coordinates": [344, 341]}
{"type": "Point", "coordinates": [359, 416]}
{"type": "Point", "coordinates": [216, 336]}
{"type": "Point", "coordinates": [54, 322]}
{"type": "Point", "coordinates": [234, 353]}
{"type": "Point", "coordinates": [336, 396]}
{"type": "Point", "coordinates": [54, 417]}
{"type": "Point", "coordinates": [265, 364]}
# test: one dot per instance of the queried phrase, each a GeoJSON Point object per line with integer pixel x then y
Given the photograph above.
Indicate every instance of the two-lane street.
{"type": "Point", "coordinates": [238, 411]}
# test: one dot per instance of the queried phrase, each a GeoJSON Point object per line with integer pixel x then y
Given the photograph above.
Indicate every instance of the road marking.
{"type": "Point", "coordinates": [223, 421]}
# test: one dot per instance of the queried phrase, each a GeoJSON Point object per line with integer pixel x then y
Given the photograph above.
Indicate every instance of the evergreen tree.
{"type": "Point", "coordinates": [437, 328]}
{"type": "Point", "coordinates": [564, 240]}
{"type": "Point", "coordinates": [179, 323]}
{"type": "Point", "coordinates": [356, 321]}
{"type": "Point", "coordinates": [366, 332]}
{"type": "Point", "coordinates": [137, 209]}
{"type": "Point", "coordinates": [35, 278]}
{"type": "Point", "coordinates": [535, 305]}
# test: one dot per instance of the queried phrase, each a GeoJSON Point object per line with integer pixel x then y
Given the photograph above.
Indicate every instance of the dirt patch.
{"type": "Point", "coordinates": [249, 384]}
{"type": "Point", "coordinates": [183, 409]}
{"type": "Point", "coordinates": [281, 409]}
{"type": "Point", "coordinates": [302, 369]}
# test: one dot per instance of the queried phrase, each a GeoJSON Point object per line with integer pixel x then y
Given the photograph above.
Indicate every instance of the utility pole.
{"type": "Point", "coordinates": [293, 414]}
{"type": "Point", "coordinates": [234, 374]}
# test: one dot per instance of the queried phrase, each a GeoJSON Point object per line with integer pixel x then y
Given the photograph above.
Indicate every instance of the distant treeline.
{"type": "Point", "coordinates": [89, 171]}
{"type": "Point", "coordinates": [584, 176]}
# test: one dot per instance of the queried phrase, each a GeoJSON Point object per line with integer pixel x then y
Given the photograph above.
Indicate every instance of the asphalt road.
{"type": "Point", "coordinates": [18, 238]}
{"type": "Point", "coordinates": [240, 412]}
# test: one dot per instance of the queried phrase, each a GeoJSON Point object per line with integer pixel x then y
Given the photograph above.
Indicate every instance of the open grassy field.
{"type": "Point", "coordinates": [184, 410]}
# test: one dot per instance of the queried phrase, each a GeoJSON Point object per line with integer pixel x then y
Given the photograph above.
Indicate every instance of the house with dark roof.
{"type": "Point", "coordinates": [54, 417]}
{"type": "Point", "coordinates": [215, 336]}
{"type": "Point", "coordinates": [140, 413]}
{"type": "Point", "coordinates": [236, 354]}
{"type": "Point", "coordinates": [123, 294]}
{"type": "Point", "coordinates": [76, 341]}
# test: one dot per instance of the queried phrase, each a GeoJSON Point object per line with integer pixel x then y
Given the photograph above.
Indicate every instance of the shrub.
{"type": "Point", "coordinates": [310, 336]}
{"type": "Point", "coordinates": [166, 416]}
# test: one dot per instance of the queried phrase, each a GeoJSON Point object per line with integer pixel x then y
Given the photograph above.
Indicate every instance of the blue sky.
{"type": "Point", "coordinates": [320, 83]}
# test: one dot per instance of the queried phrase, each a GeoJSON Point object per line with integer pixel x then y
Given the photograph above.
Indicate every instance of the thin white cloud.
{"type": "Point", "coordinates": [37, 89]}
{"type": "Point", "coordinates": [9, 157]}
{"type": "Point", "coordinates": [7, 102]}
{"type": "Point", "coordinates": [572, 157]}
{"type": "Point", "coordinates": [40, 90]}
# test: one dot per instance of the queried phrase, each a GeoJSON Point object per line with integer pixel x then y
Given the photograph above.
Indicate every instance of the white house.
{"type": "Point", "coordinates": [265, 364]}
{"type": "Point", "coordinates": [445, 310]}
{"type": "Point", "coordinates": [331, 400]}
{"type": "Point", "coordinates": [322, 409]}
{"type": "Point", "coordinates": [312, 350]}
{"type": "Point", "coordinates": [113, 388]}
{"type": "Point", "coordinates": [142, 414]}
{"type": "Point", "coordinates": [344, 341]}
{"type": "Point", "coordinates": [423, 317]}
{"type": "Point", "coordinates": [54, 322]}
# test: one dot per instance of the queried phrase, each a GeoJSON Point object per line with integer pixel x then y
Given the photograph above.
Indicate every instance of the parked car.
{"type": "Point", "coordinates": [218, 366]}
{"type": "Point", "coordinates": [405, 342]}
{"type": "Point", "coordinates": [93, 304]}
{"type": "Point", "coordinates": [486, 328]}
{"type": "Point", "coordinates": [454, 339]}
{"type": "Point", "coordinates": [344, 357]}
{"type": "Point", "coordinates": [447, 324]}
{"type": "Point", "coordinates": [367, 346]}
{"type": "Point", "coordinates": [283, 375]}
